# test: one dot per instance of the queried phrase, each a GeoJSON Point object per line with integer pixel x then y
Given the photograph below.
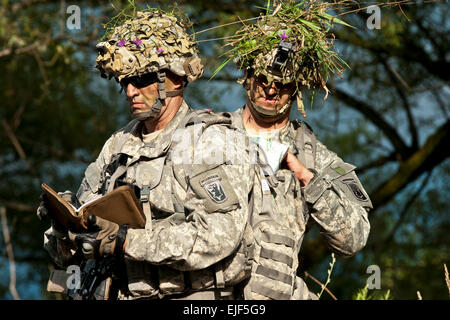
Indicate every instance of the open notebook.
{"type": "Point", "coordinates": [120, 206]}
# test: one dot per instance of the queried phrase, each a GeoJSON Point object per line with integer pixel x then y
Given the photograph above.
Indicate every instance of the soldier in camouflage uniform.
{"type": "Point", "coordinates": [196, 243]}
{"type": "Point", "coordinates": [324, 188]}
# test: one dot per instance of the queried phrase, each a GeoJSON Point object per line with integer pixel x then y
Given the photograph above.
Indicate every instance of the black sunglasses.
{"type": "Point", "coordinates": [140, 81]}
{"type": "Point", "coordinates": [262, 79]}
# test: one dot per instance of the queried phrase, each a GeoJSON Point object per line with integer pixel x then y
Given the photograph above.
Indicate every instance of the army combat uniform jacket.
{"type": "Point", "coordinates": [334, 199]}
{"type": "Point", "coordinates": [196, 235]}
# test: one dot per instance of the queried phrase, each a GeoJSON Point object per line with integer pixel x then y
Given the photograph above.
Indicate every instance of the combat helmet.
{"type": "Point", "coordinates": [291, 43]}
{"type": "Point", "coordinates": [151, 41]}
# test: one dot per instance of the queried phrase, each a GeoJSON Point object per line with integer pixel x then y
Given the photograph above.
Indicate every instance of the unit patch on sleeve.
{"type": "Point", "coordinates": [353, 186]}
{"type": "Point", "coordinates": [214, 188]}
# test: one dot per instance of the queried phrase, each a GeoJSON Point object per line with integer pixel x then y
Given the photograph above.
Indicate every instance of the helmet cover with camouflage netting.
{"type": "Point", "coordinates": [150, 41]}
{"type": "Point", "coordinates": [291, 44]}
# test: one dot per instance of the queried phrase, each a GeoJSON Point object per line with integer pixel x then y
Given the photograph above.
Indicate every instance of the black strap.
{"type": "Point", "coordinates": [120, 239]}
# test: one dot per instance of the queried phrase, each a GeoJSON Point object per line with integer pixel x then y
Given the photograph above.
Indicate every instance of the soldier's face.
{"type": "Point", "coordinates": [271, 96]}
{"type": "Point", "coordinates": [142, 91]}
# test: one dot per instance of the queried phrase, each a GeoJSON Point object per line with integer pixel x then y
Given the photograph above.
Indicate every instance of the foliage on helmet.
{"type": "Point", "coordinates": [138, 42]}
{"type": "Point", "coordinates": [306, 26]}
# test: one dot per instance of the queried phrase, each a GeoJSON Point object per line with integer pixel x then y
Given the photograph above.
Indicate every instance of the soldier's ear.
{"type": "Point", "coordinates": [177, 80]}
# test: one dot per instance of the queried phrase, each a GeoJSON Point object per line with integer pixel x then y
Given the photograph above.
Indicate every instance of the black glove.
{"type": "Point", "coordinates": [43, 211]}
{"type": "Point", "coordinates": [103, 238]}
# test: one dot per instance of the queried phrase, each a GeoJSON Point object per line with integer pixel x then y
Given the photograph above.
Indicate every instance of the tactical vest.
{"type": "Point", "coordinates": [278, 237]}
{"type": "Point", "coordinates": [150, 281]}
{"type": "Point", "coordinates": [278, 220]}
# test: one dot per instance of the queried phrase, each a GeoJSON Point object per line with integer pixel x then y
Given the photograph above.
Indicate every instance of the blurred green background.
{"type": "Point", "coordinates": [388, 115]}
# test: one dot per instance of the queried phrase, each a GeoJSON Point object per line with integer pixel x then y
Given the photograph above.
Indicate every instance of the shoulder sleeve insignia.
{"type": "Point", "coordinates": [214, 188]}
{"type": "Point", "coordinates": [353, 186]}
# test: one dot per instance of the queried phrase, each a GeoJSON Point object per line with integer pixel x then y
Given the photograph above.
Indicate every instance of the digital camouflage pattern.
{"type": "Point", "coordinates": [331, 186]}
{"type": "Point", "coordinates": [149, 42]}
{"type": "Point", "coordinates": [189, 234]}
{"type": "Point", "coordinates": [196, 236]}
{"type": "Point", "coordinates": [336, 202]}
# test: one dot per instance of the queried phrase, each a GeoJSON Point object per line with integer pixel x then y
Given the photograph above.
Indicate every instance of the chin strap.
{"type": "Point", "coordinates": [269, 114]}
{"type": "Point", "coordinates": [162, 95]}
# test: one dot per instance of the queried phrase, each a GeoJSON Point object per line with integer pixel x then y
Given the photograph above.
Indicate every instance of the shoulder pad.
{"type": "Point", "coordinates": [298, 123]}
{"type": "Point", "coordinates": [121, 136]}
{"type": "Point", "coordinates": [209, 118]}
{"type": "Point", "coordinates": [306, 142]}
{"type": "Point", "coordinates": [306, 125]}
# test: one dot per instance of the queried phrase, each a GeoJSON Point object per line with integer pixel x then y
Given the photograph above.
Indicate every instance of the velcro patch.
{"type": "Point", "coordinates": [339, 170]}
{"type": "Point", "coordinates": [353, 186]}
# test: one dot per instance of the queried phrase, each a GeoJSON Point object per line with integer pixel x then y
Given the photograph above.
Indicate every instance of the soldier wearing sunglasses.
{"type": "Point", "coordinates": [324, 189]}
{"type": "Point", "coordinates": [196, 243]}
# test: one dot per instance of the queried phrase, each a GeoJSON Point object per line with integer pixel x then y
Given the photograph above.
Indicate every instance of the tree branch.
{"type": "Point", "coordinates": [376, 163]}
{"type": "Point", "coordinates": [17, 146]}
{"type": "Point", "coordinates": [442, 105]}
{"type": "Point", "coordinates": [406, 208]}
{"type": "Point", "coordinates": [401, 87]}
{"type": "Point", "coordinates": [18, 206]}
{"type": "Point", "coordinates": [10, 254]}
{"type": "Point", "coordinates": [409, 52]}
{"type": "Point", "coordinates": [433, 152]}
{"type": "Point", "coordinates": [369, 112]}
{"type": "Point", "coordinates": [307, 275]}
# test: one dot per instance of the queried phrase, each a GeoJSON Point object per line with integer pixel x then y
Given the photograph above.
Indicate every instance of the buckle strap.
{"type": "Point", "coordinates": [145, 203]}
{"type": "Point", "coordinates": [145, 193]}
{"type": "Point", "coordinates": [174, 93]}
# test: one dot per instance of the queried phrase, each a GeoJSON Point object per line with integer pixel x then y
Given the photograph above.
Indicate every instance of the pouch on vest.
{"type": "Point", "coordinates": [142, 279]}
{"type": "Point", "coordinates": [229, 271]}
{"type": "Point", "coordinates": [93, 177]}
{"type": "Point", "coordinates": [57, 283]}
{"type": "Point", "coordinates": [170, 280]}
{"type": "Point", "coordinates": [274, 269]}
{"type": "Point", "coordinates": [155, 181]}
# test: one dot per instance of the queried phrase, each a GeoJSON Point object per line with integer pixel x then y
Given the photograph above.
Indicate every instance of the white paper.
{"type": "Point", "coordinates": [275, 151]}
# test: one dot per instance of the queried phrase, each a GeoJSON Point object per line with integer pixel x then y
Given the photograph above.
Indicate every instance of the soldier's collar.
{"type": "Point", "coordinates": [135, 146]}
